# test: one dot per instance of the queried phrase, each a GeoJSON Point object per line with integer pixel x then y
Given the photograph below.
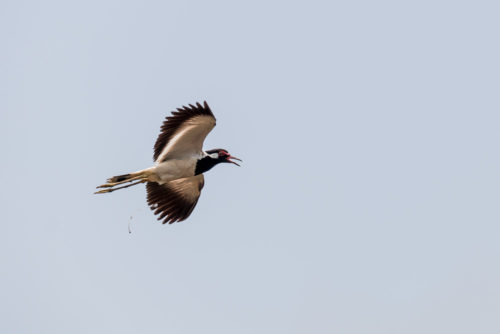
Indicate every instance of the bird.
{"type": "Point", "coordinates": [175, 181]}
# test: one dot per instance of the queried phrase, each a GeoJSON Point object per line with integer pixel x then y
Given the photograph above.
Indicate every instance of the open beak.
{"type": "Point", "coordinates": [231, 157]}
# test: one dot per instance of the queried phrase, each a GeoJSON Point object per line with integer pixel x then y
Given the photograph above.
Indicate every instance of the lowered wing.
{"type": "Point", "coordinates": [175, 200]}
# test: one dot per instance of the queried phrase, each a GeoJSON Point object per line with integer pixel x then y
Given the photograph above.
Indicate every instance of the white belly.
{"type": "Point", "coordinates": [175, 169]}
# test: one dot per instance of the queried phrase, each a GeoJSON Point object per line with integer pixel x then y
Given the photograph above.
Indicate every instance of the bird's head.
{"type": "Point", "coordinates": [222, 155]}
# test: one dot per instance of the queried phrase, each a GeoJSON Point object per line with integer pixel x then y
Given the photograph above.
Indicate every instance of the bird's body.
{"type": "Point", "coordinates": [175, 180]}
{"type": "Point", "coordinates": [174, 169]}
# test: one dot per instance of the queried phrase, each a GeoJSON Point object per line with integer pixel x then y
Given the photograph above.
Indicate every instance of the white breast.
{"type": "Point", "coordinates": [174, 169]}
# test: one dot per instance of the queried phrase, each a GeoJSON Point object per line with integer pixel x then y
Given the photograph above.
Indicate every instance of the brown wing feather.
{"type": "Point", "coordinates": [172, 123]}
{"type": "Point", "coordinates": [175, 200]}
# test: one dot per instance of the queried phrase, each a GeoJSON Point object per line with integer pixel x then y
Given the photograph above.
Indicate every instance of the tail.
{"type": "Point", "coordinates": [140, 176]}
{"type": "Point", "coordinates": [119, 178]}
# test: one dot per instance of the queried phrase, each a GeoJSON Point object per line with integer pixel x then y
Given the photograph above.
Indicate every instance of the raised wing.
{"type": "Point", "coordinates": [183, 133]}
{"type": "Point", "coordinates": [175, 200]}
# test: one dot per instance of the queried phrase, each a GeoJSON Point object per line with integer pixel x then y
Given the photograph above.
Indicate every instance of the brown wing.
{"type": "Point", "coordinates": [175, 200]}
{"type": "Point", "coordinates": [184, 131]}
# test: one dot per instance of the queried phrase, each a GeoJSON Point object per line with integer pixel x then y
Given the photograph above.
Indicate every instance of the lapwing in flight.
{"type": "Point", "coordinates": [175, 181]}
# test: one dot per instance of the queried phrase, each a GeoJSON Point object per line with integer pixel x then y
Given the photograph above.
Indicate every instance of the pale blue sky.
{"type": "Point", "coordinates": [368, 200]}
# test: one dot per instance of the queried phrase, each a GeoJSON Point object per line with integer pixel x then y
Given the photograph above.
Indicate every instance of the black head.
{"type": "Point", "coordinates": [222, 156]}
{"type": "Point", "coordinates": [213, 158]}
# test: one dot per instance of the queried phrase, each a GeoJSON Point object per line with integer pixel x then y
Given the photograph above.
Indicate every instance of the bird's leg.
{"type": "Point", "coordinates": [112, 184]}
{"type": "Point", "coordinates": [108, 190]}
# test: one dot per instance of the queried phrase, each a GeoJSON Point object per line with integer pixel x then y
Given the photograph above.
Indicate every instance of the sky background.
{"type": "Point", "coordinates": [368, 200]}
